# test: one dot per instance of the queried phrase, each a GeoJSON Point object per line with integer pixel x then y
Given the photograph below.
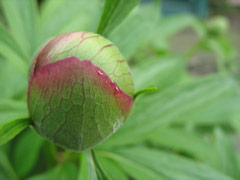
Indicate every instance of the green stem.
{"type": "Point", "coordinates": [83, 167]}
{"type": "Point", "coordinates": [91, 166]}
{"type": "Point", "coordinates": [5, 163]}
{"type": "Point", "coordinates": [95, 170]}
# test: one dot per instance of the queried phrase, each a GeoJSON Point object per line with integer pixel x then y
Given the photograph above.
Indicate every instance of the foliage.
{"type": "Point", "coordinates": [186, 130]}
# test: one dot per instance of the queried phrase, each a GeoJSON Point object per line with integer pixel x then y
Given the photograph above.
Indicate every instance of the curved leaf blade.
{"type": "Point", "coordinates": [73, 15]}
{"type": "Point", "coordinates": [10, 129]}
{"type": "Point", "coordinates": [24, 164]}
{"type": "Point", "coordinates": [61, 172]}
{"type": "Point", "coordinates": [114, 13]}
{"type": "Point", "coordinates": [6, 166]}
{"type": "Point", "coordinates": [171, 166]}
{"type": "Point", "coordinates": [22, 18]}
{"type": "Point", "coordinates": [162, 109]}
{"type": "Point", "coordinates": [11, 109]}
{"type": "Point", "coordinates": [137, 29]}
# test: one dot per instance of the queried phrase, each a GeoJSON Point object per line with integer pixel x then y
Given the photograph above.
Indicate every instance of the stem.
{"type": "Point", "coordinates": [83, 167]}
{"type": "Point", "coordinates": [91, 166]}
{"type": "Point", "coordinates": [4, 161]}
{"type": "Point", "coordinates": [95, 170]}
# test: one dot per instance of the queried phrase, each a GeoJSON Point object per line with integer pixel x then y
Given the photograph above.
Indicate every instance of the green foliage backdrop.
{"type": "Point", "coordinates": [187, 130]}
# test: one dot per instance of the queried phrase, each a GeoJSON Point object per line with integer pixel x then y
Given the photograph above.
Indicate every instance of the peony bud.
{"type": "Point", "coordinates": [80, 90]}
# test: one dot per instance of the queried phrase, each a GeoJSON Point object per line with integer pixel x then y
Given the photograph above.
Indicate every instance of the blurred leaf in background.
{"type": "Point", "coordinates": [189, 129]}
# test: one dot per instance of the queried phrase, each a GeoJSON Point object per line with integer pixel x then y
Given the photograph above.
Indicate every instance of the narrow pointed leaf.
{"type": "Point", "coordinates": [22, 19]}
{"type": "Point", "coordinates": [188, 142]}
{"type": "Point", "coordinates": [91, 167]}
{"type": "Point", "coordinates": [171, 166]}
{"type": "Point", "coordinates": [130, 167]}
{"type": "Point", "coordinates": [162, 109]}
{"type": "Point", "coordinates": [137, 29]}
{"type": "Point", "coordinates": [9, 75]}
{"type": "Point", "coordinates": [72, 15]}
{"type": "Point", "coordinates": [158, 72]}
{"type": "Point", "coordinates": [226, 152]}
{"type": "Point", "coordinates": [114, 13]}
{"type": "Point", "coordinates": [6, 165]}
{"type": "Point", "coordinates": [11, 51]}
{"type": "Point", "coordinates": [95, 170]}
{"type": "Point", "coordinates": [10, 109]}
{"type": "Point", "coordinates": [10, 129]}
{"type": "Point", "coordinates": [7, 40]}
{"type": "Point", "coordinates": [61, 172]}
{"type": "Point", "coordinates": [112, 169]}
{"type": "Point", "coordinates": [24, 164]}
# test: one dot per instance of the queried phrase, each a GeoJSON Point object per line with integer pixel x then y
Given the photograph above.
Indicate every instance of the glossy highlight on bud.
{"type": "Point", "coordinates": [100, 73]}
{"type": "Point", "coordinates": [80, 90]}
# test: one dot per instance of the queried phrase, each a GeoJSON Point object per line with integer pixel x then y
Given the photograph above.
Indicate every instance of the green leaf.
{"type": "Point", "coordinates": [72, 15]}
{"type": "Point", "coordinates": [22, 163]}
{"type": "Point", "coordinates": [112, 169]}
{"type": "Point", "coordinates": [61, 172]}
{"type": "Point", "coordinates": [133, 169]}
{"type": "Point", "coordinates": [182, 140]}
{"type": "Point", "coordinates": [13, 58]}
{"type": "Point", "coordinates": [224, 50]}
{"type": "Point", "coordinates": [10, 50]}
{"type": "Point", "coordinates": [215, 112]}
{"type": "Point", "coordinates": [169, 26]}
{"type": "Point", "coordinates": [9, 75]}
{"type": "Point", "coordinates": [136, 29]}
{"type": "Point", "coordinates": [181, 99]}
{"type": "Point", "coordinates": [171, 166]}
{"type": "Point", "coordinates": [10, 129]}
{"type": "Point", "coordinates": [226, 153]}
{"type": "Point", "coordinates": [91, 167]}
{"type": "Point", "coordinates": [10, 109]}
{"type": "Point", "coordinates": [114, 13]}
{"type": "Point", "coordinates": [162, 109]}
{"type": "Point", "coordinates": [3, 174]}
{"type": "Point", "coordinates": [6, 165]}
{"type": "Point", "coordinates": [7, 39]}
{"type": "Point", "coordinates": [160, 72]}
{"type": "Point", "coordinates": [95, 170]}
{"type": "Point", "coordinates": [22, 18]}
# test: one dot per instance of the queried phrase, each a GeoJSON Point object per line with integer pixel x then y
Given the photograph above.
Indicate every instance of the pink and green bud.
{"type": "Point", "coordinates": [80, 90]}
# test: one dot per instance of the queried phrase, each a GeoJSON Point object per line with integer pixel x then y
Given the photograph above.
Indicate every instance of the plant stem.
{"type": "Point", "coordinates": [4, 161]}
{"type": "Point", "coordinates": [95, 170]}
{"type": "Point", "coordinates": [91, 166]}
{"type": "Point", "coordinates": [83, 167]}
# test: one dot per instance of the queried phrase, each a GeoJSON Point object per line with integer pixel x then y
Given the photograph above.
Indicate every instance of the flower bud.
{"type": "Point", "coordinates": [80, 90]}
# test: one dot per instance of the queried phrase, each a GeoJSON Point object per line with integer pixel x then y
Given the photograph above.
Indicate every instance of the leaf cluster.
{"type": "Point", "coordinates": [186, 130]}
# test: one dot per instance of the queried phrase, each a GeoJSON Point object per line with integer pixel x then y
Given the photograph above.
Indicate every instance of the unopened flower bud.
{"type": "Point", "coordinates": [80, 90]}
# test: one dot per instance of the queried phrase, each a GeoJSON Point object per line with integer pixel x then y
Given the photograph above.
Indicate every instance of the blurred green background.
{"type": "Point", "coordinates": [189, 129]}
